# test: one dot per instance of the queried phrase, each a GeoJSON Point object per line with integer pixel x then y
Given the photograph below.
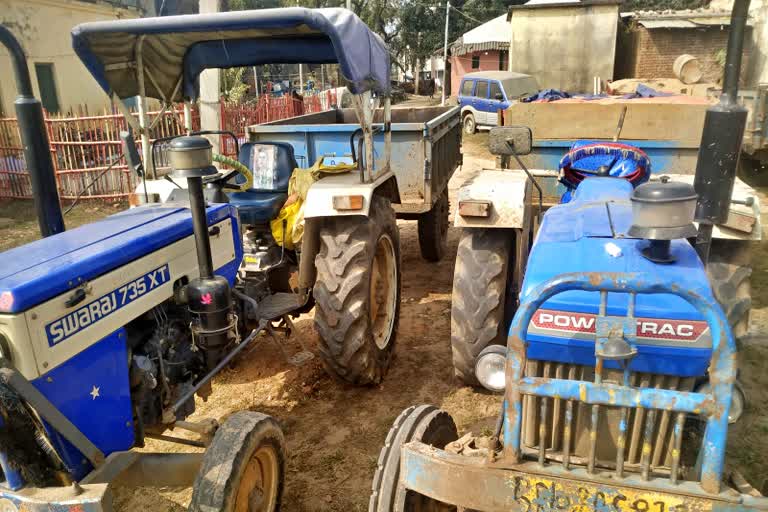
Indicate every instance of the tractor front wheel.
{"type": "Point", "coordinates": [427, 424]}
{"type": "Point", "coordinates": [357, 293]}
{"type": "Point", "coordinates": [479, 296]}
{"type": "Point", "coordinates": [244, 467]}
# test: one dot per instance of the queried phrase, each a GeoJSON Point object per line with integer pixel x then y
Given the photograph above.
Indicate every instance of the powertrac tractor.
{"type": "Point", "coordinates": [109, 331]}
{"type": "Point", "coordinates": [618, 366]}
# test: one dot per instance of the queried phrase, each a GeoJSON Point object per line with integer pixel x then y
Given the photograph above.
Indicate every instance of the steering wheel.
{"type": "Point", "coordinates": [222, 179]}
{"type": "Point", "coordinates": [604, 159]}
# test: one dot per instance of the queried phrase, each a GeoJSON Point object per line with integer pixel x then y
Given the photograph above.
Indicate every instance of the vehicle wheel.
{"type": "Point", "coordinates": [244, 467]}
{"type": "Point", "coordinates": [479, 297]}
{"type": "Point", "coordinates": [433, 229]}
{"type": "Point", "coordinates": [729, 268]}
{"type": "Point", "coordinates": [469, 124]}
{"type": "Point", "coordinates": [425, 423]}
{"type": "Point", "coordinates": [358, 293]}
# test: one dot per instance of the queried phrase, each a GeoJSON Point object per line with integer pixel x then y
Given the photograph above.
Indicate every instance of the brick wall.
{"type": "Point", "coordinates": [644, 53]}
{"type": "Point", "coordinates": [462, 64]}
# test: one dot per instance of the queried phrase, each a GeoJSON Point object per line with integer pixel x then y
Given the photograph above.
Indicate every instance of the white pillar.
{"type": "Point", "coordinates": [210, 89]}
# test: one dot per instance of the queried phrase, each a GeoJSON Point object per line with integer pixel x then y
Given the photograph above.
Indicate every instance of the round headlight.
{"type": "Point", "coordinates": [738, 401]}
{"type": "Point", "coordinates": [489, 368]}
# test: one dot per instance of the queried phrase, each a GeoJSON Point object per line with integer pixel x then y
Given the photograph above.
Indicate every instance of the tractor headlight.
{"type": "Point", "coordinates": [490, 366]}
{"type": "Point", "coordinates": [738, 400]}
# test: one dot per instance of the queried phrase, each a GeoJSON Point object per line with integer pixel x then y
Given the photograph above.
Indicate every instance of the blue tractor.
{"type": "Point", "coordinates": [108, 332]}
{"type": "Point", "coordinates": [617, 364]}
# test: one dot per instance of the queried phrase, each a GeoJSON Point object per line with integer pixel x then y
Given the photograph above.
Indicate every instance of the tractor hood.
{"type": "Point", "coordinates": [588, 234]}
{"type": "Point", "coordinates": [36, 272]}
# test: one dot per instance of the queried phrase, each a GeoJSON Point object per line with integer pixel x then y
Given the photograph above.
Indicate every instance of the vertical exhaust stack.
{"type": "Point", "coordinates": [37, 151]}
{"type": "Point", "coordinates": [208, 296]}
{"type": "Point", "coordinates": [721, 140]}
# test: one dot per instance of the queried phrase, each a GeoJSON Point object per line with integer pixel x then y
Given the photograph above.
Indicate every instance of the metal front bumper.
{"type": "Point", "coordinates": [86, 498]}
{"type": "Point", "coordinates": [474, 483]}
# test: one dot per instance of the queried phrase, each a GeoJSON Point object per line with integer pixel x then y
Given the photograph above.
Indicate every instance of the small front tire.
{"type": "Point", "coordinates": [243, 469]}
{"type": "Point", "coordinates": [427, 424]}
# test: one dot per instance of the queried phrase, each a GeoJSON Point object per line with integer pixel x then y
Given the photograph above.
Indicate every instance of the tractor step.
{"type": "Point", "coordinates": [278, 305]}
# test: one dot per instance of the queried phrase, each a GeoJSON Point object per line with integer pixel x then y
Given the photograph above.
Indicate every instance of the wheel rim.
{"type": "Point", "coordinates": [383, 300]}
{"type": "Point", "coordinates": [257, 491]}
{"type": "Point", "coordinates": [469, 124]}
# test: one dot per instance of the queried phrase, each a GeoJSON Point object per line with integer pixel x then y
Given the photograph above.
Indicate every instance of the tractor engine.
{"type": "Point", "coordinates": [165, 364]}
{"type": "Point", "coordinates": [671, 348]}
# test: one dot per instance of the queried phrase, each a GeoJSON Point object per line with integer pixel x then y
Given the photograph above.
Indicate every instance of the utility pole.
{"type": "Point", "coordinates": [349, 4]}
{"type": "Point", "coordinates": [210, 89]}
{"type": "Point", "coordinates": [445, 54]}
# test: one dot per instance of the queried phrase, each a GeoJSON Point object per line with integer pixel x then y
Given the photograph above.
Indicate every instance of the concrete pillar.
{"type": "Point", "coordinates": [210, 89]}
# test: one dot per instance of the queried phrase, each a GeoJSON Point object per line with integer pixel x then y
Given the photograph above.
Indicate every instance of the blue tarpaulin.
{"type": "Point", "coordinates": [175, 49]}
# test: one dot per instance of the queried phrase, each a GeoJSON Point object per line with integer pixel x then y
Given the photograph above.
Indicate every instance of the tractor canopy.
{"type": "Point", "coordinates": [174, 50]}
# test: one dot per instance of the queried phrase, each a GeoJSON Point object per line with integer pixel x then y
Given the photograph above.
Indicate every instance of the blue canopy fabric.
{"type": "Point", "coordinates": [176, 49]}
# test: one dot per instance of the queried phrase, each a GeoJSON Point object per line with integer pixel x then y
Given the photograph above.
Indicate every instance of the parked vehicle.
{"type": "Point", "coordinates": [109, 332]}
{"type": "Point", "coordinates": [426, 151]}
{"type": "Point", "coordinates": [618, 368]}
{"type": "Point", "coordinates": [483, 93]}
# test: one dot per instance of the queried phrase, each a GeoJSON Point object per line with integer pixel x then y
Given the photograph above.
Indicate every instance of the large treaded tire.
{"type": "Point", "coordinates": [425, 423]}
{"type": "Point", "coordinates": [231, 459]}
{"type": "Point", "coordinates": [479, 300]}
{"type": "Point", "coordinates": [433, 229]}
{"type": "Point", "coordinates": [729, 269]}
{"type": "Point", "coordinates": [353, 346]}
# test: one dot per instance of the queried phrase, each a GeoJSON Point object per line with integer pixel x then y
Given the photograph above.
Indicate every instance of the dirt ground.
{"type": "Point", "coordinates": [334, 431]}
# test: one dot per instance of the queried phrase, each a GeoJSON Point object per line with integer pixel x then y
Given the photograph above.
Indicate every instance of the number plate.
{"type": "Point", "coordinates": [540, 494]}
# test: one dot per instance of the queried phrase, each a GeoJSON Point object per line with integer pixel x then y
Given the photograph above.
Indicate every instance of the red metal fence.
{"type": "Point", "coordinates": [237, 117]}
{"type": "Point", "coordinates": [83, 146]}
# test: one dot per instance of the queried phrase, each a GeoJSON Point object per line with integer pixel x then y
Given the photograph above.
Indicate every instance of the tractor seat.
{"type": "Point", "coordinates": [271, 164]}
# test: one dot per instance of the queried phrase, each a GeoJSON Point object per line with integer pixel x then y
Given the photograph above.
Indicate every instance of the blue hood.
{"type": "Point", "coordinates": [579, 236]}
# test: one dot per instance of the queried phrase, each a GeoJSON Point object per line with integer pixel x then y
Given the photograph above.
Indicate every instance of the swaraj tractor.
{"type": "Point", "coordinates": [618, 367]}
{"type": "Point", "coordinates": [109, 331]}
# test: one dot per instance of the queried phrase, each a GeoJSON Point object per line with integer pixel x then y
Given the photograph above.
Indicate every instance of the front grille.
{"type": "Point", "coordinates": [562, 430]}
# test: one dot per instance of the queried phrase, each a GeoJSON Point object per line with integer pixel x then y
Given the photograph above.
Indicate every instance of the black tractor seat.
{"type": "Point", "coordinates": [272, 164]}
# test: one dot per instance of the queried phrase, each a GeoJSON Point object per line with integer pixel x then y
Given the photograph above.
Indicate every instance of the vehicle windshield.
{"type": "Point", "coordinates": [519, 87]}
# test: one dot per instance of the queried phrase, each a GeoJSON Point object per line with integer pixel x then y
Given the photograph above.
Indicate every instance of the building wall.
{"type": "Point", "coordinates": [651, 53]}
{"type": "Point", "coordinates": [43, 27]}
{"type": "Point", "coordinates": [462, 64]}
{"type": "Point", "coordinates": [564, 47]}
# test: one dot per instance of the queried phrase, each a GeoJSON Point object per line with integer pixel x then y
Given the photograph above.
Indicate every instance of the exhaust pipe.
{"type": "Point", "coordinates": [721, 140]}
{"type": "Point", "coordinates": [37, 151]}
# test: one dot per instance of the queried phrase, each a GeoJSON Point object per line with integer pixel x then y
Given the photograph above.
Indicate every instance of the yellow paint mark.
{"type": "Point", "coordinates": [646, 448]}
{"type": "Point", "coordinates": [583, 393]}
{"type": "Point", "coordinates": [697, 411]}
{"type": "Point", "coordinates": [675, 453]}
{"type": "Point", "coordinates": [620, 442]}
{"type": "Point", "coordinates": [611, 396]}
{"type": "Point", "coordinates": [593, 435]}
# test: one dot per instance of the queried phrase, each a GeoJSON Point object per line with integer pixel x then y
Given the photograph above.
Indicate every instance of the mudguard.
{"type": "Point", "coordinates": [507, 192]}
{"type": "Point", "coordinates": [320, 198]}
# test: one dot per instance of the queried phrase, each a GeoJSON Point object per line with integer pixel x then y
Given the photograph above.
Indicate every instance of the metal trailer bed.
{"type": "Point", "coordinates": [426, 147]}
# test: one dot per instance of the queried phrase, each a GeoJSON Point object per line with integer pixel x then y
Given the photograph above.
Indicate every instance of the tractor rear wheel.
{"type": "Point", "coordinates": [357, 293]}
{"type": "Point", "coordinates": [244, 467]}
{"type": "Point", "coordinates": [729, 268]}
{"type": "Point", "coordinates": [433, 229]}
{"type": "Point", "coordinates": [479, 300]}
{"type": "Point", "coordinates": [425, 423]}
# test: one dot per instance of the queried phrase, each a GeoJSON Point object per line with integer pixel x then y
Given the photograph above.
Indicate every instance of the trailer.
{"type": "Point", "coordinates": [426, 151]}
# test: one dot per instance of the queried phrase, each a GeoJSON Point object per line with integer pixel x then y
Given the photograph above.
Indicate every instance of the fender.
{"type": "Point", "coordinates": [320, 198]}
{"type": "Point", "coordinates": [507, 192]}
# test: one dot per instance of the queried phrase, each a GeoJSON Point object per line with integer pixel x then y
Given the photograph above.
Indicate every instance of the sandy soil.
{"type": "Point", "coordinates": [334, 431]}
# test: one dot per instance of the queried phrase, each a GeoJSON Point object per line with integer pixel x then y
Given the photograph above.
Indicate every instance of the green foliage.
{"type": "Point", "coordinates": [662, 5]}
{"type": "Point", "coordinates": [232, 86]}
